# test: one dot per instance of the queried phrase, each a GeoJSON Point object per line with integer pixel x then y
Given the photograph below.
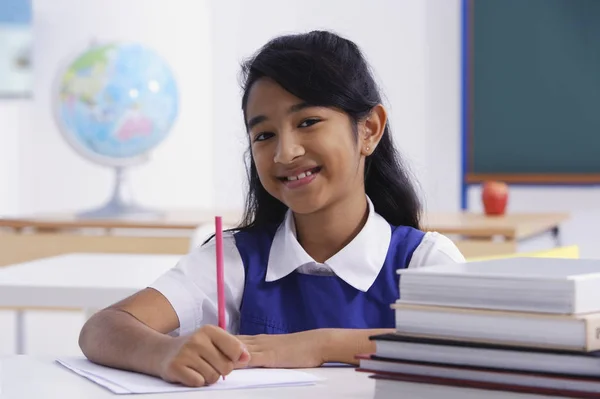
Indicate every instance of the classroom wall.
{"type": "Point", "coordinates": [395, 37]}
{"type": "Point", "coordinates": [180, 171]}
{"type": "Point", "coordinates": [443, 143]}
{"type": "Point", "coordinates": [575, 200]}
{"type": "Point", "coordinates": [392, 34]}
{"type": "Point", "coordinates": [11, 112]}
{"type": "Point", "coordinates": [414, 47]}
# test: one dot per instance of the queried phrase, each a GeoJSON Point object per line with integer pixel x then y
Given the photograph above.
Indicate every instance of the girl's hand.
{"type": "Point", "coordinates": [298, 350]}
{"type": "Point", "coordinates": [203, 357]}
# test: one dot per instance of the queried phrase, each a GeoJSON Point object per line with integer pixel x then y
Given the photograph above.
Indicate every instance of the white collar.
{"type": "Point", "coordinates": [358, 263]}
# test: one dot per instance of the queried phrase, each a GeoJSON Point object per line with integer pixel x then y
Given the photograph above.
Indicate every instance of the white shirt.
{"type": "Point", "coordinates": [191, 286]}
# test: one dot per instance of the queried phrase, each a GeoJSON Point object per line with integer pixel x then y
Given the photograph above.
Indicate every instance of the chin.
{"type": "Point", "coordinates": [304, 206]}
{"type": "Point", "coordinates": [303, 200]}
{"type": "Point", "coordinates": [304, 209]}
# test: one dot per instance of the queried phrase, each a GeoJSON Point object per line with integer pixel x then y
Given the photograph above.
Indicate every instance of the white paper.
{"type": "Point", "coordinates": [127, 382]}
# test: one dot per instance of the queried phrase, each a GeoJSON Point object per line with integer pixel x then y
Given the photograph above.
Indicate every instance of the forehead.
{"type": "Point", "coordinates": [268, 97]}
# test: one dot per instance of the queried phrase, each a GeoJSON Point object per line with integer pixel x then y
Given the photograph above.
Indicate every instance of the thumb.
{"type": "Point", "coordinates": [245, 356]}
{"type": "Point", "coordinates": [244, 359]}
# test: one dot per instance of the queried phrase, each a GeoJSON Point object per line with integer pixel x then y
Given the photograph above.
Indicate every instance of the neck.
{"type": "Point", "coordinates": [322, 234]}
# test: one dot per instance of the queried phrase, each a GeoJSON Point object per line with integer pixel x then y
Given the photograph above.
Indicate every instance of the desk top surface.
{"type": "Point", "coordinates": [89, 270]}
{"type": "Point", "coordinates": [34, 377]}
{"type": "Point", "coordinates": [511, 226]}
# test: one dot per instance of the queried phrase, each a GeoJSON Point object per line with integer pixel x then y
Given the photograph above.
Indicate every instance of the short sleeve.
{"type": "Point", "coordinates": [436, 249]}
{"type": "Point", "coordinates": [191, 286]}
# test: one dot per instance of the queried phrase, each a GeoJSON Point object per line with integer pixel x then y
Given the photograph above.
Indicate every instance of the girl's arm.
{"type": "Point", "coordinates": [130, 334]}
{"type": "Point", "coordinates": [310, 348]}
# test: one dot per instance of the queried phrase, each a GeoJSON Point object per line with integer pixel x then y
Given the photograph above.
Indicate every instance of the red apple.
{"type": "Point", "coordinates": [494, 197]}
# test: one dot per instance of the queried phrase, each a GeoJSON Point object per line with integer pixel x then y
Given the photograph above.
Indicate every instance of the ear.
{"type": "Point", "coordinates": [372, 130]}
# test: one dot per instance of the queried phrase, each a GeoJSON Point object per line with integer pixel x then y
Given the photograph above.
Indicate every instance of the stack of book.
{"type": "Point", "coordinates": [521, 324]}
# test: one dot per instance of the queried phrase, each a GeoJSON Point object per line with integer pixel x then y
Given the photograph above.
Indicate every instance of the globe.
{"type": "Point", "coordinates": [114, 103]}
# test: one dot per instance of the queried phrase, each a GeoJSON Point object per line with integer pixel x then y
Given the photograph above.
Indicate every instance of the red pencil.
{"type": "Point", "coordinates": [220, 276]}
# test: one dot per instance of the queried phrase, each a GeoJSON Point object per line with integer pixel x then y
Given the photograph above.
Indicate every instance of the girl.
{"type": "Point", "coordinates": [311, 272]}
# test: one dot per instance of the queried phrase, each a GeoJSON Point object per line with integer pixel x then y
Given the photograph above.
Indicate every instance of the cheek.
{"type": "Point", "coordinates": [341, 152]}
{"type": "Point", "coordinates": [263, 164]}
{"type": "Point", "coordinates": [259, 161]}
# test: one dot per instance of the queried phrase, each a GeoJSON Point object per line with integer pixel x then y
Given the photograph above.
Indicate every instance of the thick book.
{"type": "Point", "coordinates": [488, 355]}
{"type": "Point", "coordinates": [506, 380]}
{"type": "Point", "coordinates": [571, 332]}
{"type": "Point", "coordinates": [562, 286]}
{"type": "Point", "coordinates": [386, 387]}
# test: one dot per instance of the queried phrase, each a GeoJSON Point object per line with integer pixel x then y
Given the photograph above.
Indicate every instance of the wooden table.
{"type": "Point", "coordinates": [479, 235]}
{"type": "Point", "coordinates": [38, 236]}
{"type": "Point", "coordinates": [182, 219]}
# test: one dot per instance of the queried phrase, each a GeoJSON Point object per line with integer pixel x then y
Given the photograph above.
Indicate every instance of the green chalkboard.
{"type": "Point", "coordinates": [534, 90]}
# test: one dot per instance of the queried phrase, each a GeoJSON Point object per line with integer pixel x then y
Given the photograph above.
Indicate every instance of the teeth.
{"type": "Point", "coordinates": [300, 176]}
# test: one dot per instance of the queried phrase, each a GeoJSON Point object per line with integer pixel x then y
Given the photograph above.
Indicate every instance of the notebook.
{"type": "Point", "coordinates": [127, 382]}
{"type": "Point", "coordinates": [566, 286]}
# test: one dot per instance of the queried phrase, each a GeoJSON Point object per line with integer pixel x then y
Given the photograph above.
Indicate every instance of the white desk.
{"type": "Point", "coordinates": [30, 377]}
{"type": "Point", "coordinates": [81, 281]}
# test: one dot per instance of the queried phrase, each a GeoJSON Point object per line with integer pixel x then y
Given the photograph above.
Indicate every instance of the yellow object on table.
{"type": "Point", "coordinates": [568, 252]}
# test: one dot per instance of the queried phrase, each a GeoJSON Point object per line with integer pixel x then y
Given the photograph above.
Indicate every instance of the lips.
{"type": "Point", "coordinates": [300, 177]}
{"type": "Point", "coordinates": [299, 174]}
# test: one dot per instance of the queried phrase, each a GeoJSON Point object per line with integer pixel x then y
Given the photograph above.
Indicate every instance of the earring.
{"type": "Point", "coordinates": [368, 149]}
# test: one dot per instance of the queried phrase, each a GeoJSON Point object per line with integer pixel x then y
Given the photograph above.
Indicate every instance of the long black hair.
{"type": "Point", "coordinates": [325, 69]}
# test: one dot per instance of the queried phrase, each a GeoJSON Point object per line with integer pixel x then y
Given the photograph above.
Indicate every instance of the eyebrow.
{"type": "Point", "coordinates": [294, 108]}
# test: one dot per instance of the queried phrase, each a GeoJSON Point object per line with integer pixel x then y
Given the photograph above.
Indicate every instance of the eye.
{"type": "Point", "coordinates": [263, 136]}
{"type": "Point", "coordinates": [309, 122]}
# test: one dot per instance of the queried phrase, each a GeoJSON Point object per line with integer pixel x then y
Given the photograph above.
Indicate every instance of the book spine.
{"type": "Point", "coordinates": [592, 334]}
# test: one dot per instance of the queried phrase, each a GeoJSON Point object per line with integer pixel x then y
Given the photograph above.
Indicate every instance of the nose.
{"type": "Point", "coordinates": [288, 148]}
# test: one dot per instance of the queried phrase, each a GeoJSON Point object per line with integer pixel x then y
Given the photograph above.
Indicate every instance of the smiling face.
{"type": "Point", "coordinates": [307, 157]}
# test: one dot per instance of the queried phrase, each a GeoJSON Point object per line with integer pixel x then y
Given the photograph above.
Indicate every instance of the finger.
{"type": "Point", "coordinates": [213, 356]}
{"type": "Point", "coordinates": [243, 361]}
{"type": "Point", "coordinates": [229, 345]}
{"type": "Point", "coordinates": [240, 366]}
{"type": "Point", "coordinates": [208, 372]}
{"type": "Point", "coordinates": [189, 377]}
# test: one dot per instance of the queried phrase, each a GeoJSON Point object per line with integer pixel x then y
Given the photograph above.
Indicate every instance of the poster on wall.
{"type": "Point", "coordinates": [16, 40]}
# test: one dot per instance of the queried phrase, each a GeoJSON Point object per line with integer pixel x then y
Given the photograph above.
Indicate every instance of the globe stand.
{"type": "Point", "coordinates": [118, 206]}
